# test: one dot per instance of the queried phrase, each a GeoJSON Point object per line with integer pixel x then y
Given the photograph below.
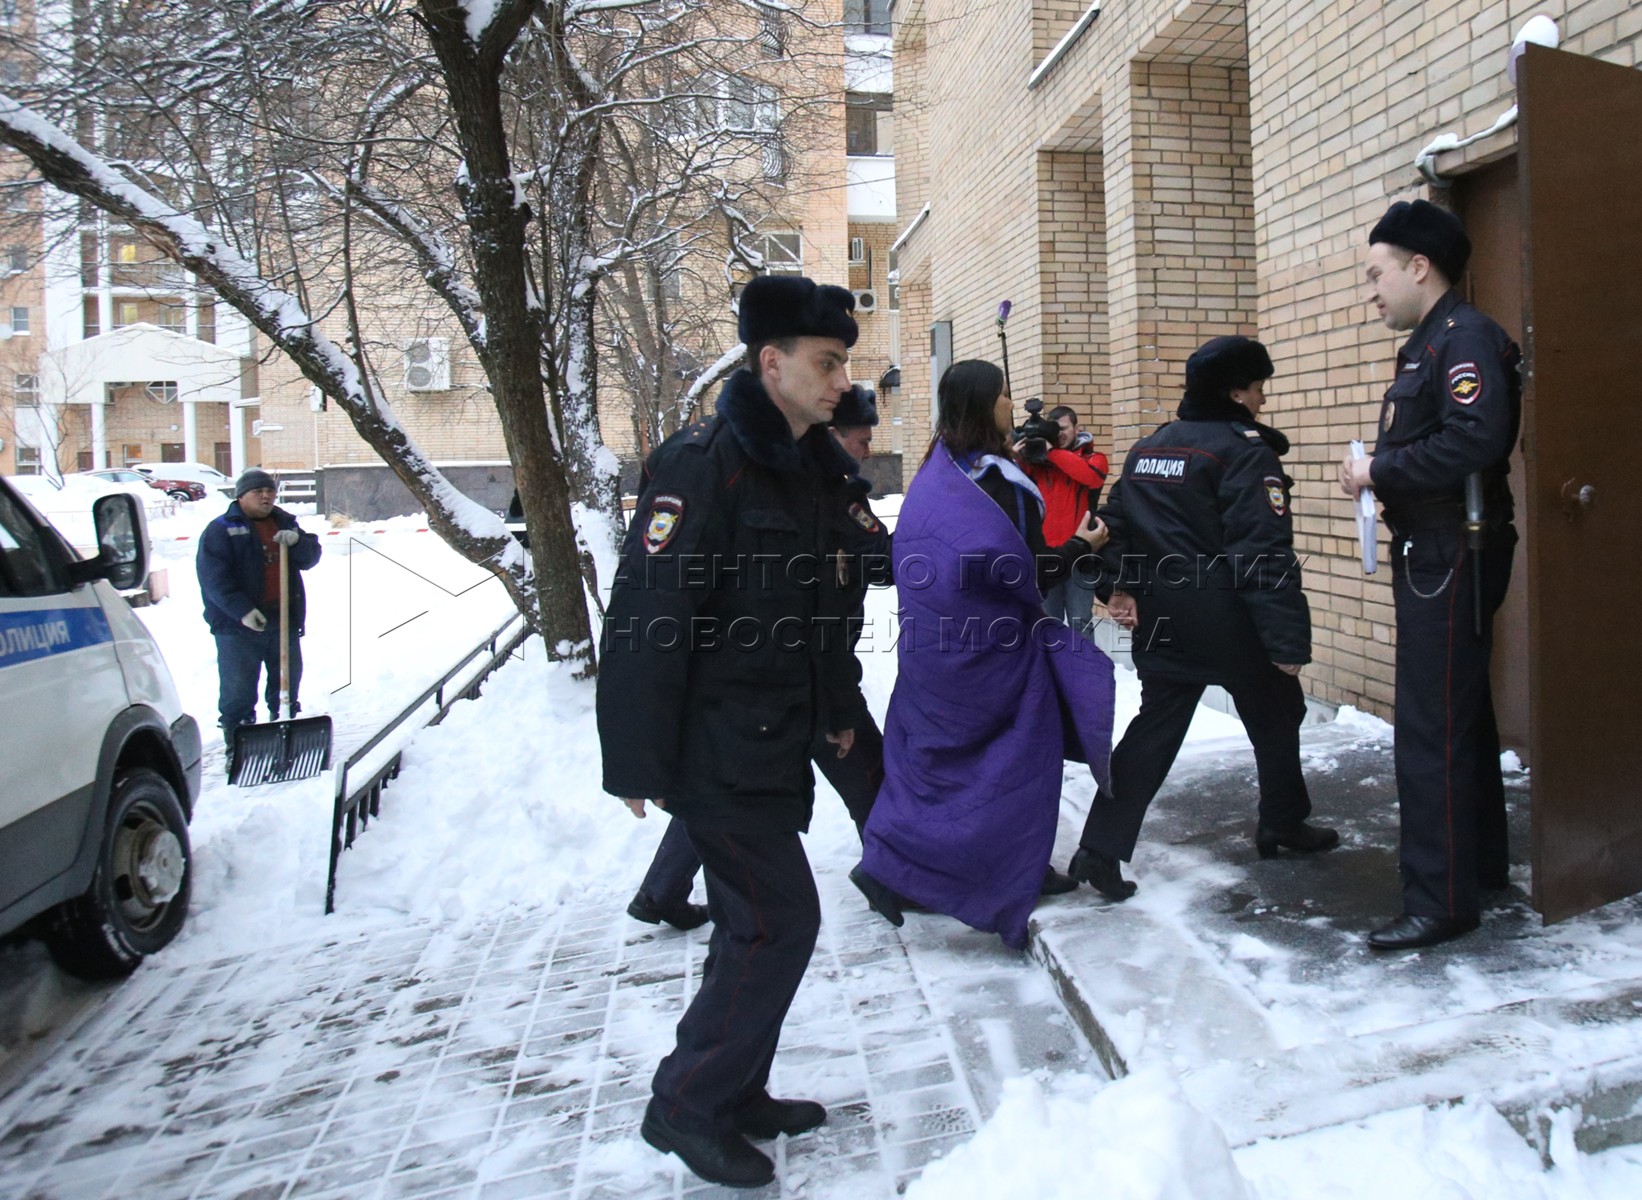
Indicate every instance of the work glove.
{"type": "Point", "coordinates": [254, 621]}
{"type": "Point", "coordinates": [288, 537]}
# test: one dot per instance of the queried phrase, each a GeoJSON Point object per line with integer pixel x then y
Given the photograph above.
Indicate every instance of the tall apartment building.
{"type": "Point", "coordinates": [111, 354]}
{"type": "Point", "coordinates": [116, 356]}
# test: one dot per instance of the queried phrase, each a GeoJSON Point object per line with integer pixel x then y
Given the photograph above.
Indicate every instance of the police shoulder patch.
{"type": "Point", "coordinates": [666, 515]}
{"type": "Point", "coordinates": [1252, 434]}
{"type": "Point", "coordinates": [859, 514]}
{"type": "Point", "coordinates": [1275, 495]}
{"type": "Point", "coordinates": [1464, 382]}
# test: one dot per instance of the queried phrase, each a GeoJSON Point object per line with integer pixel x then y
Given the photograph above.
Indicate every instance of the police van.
{"type": "Point", "coordinates": [99, 765]}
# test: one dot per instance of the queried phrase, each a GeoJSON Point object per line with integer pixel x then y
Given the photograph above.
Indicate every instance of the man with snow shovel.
{"type": "Point", "coordinates": [238, 566]}
{"type": "Point", "coordinates": [725, 649]}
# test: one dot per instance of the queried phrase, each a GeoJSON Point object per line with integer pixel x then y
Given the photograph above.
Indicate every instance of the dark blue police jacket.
{"type": "Point", "coordinates": [230, 567]}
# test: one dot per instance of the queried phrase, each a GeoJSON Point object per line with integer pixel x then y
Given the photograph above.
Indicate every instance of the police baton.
{"type": "Point", "coordinates": [1473, 540]}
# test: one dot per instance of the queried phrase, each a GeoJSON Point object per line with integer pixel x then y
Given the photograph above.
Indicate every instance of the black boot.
{"type": "Point", "coordinates": [1101, 872]}
{"type": "Point", "coordinates": [680, 915]}
{"type": "Point", "coordinates": [1409, 932]}
{"type": "Point", "coordinates": [1056, 884]}
{"type": "Point", "coordinates": [1300, 838]}
{"type": "Point", "coordinates": [879, 898]}
{"type": "Point", "coordinates": [727, 1158]}
{"type": "Point", "coordinates": [767, 1117]}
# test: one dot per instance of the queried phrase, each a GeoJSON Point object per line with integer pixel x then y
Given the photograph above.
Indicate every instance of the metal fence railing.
{"type": "Point", "coordinates": [359, 800]}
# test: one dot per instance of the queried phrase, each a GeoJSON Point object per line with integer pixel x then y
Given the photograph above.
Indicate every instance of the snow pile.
{"type": "Point", "coordinates": [1468, 1152]}
{"type": "Point", "coordinates": [501, 803]}
{"type": "Point", "coordinates": [1137, 1139]}
{"type": "Point", "coordinates": [1073, 1136]}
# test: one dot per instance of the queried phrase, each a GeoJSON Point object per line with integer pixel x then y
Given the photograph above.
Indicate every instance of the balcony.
{"type": "Point", "coordinates": [162, 276]}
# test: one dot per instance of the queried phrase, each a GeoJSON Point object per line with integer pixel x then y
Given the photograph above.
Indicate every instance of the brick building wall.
{"type": "Point", "coordinates": [1185, 170]}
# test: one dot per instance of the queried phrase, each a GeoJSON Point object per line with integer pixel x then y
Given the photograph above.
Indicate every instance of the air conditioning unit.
{"type": "Point", "coordinates": [866, 300]}
{"type": "Point", "coordinates": [427, 365]}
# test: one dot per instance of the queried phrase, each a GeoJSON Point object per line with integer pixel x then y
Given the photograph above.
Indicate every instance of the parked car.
{"type": "Point", "coordinates": [213, 479]}
{"type": "Point", "coordinates": [67, 504]}
{"type": "Point", "coordinates": [177, 489]}
{"type": "Point", "coordinates": [99, 765]}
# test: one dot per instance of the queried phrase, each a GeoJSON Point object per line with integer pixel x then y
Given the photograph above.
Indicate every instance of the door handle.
{"type": "Point", "coordinates": [1576, 498]}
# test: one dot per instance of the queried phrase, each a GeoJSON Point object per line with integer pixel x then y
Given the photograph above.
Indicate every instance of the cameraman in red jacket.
{"type": "Point", "coordinates": [1070, 474]}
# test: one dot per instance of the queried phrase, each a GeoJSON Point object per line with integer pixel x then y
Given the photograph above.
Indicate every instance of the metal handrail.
{"type": "Point", "coordinates": [352, 811]}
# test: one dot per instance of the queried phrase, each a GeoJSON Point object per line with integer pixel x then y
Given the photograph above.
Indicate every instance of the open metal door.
{"type": "Point", "coordinates": [1580, 155]}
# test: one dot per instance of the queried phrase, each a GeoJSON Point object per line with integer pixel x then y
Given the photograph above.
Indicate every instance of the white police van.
{"type": "Point", "coordinates": [99, 765]}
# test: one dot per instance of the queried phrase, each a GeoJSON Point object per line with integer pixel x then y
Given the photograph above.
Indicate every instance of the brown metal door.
{"type": "Point", "coordinates": [1581, 161]}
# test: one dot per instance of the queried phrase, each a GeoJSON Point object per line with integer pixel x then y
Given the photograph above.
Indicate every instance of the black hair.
{"type": "Point", "coordinates": [755, 351]}
{"type": "Point", "coordinates": [968, 394]}
{"type": "Point", "coordinates": [1062, 410]}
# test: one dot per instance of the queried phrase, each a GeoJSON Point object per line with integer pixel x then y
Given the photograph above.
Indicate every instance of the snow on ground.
{"type": "Point", "coordinates": [1067, 1137]}
{"type": "Point", "coordinates": [501, 805]}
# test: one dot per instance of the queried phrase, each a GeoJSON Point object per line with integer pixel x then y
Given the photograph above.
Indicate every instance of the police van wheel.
{"type": "Point", "coordinates": [138, 897]}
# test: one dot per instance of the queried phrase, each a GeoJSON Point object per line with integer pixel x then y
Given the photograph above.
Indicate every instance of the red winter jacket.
{"type": "Point", "coordinates": [1065, 481]}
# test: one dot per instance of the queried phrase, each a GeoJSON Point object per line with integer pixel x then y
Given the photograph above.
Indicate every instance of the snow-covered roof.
{"type": "Point", "coordinates": [140, 353]}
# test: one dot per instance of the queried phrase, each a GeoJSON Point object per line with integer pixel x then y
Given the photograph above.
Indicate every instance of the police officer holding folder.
{"type": "Point", "coordinates": [1447, 425]}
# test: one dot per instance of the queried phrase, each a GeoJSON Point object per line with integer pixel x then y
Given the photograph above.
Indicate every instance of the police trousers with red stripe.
{"type": "Point", "coordinates": [1449, 790]}
{"type": "Point", "coordinates": [765, 920]}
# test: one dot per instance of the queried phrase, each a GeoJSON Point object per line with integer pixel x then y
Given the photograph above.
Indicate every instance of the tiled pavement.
{"type": "Point", "coordinates": [511, 1058]}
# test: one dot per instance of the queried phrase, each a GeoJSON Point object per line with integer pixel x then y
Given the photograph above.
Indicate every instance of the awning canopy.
{"type": "Point", "coordinates": [78, 373]}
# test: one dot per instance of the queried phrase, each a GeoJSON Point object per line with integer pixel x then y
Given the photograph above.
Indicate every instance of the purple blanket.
{"type": "Point", "coordinates": [990, 697]}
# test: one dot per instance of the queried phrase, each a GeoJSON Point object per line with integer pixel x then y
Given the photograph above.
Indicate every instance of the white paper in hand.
{"type": "Point", "coordinates": [1368, 525]}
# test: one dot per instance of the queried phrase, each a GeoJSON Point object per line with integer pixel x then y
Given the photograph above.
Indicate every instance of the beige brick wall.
{"type": "Point", "coordinates": [1221, 165]}
{"type": "Point", "coordinates": [871, 358]}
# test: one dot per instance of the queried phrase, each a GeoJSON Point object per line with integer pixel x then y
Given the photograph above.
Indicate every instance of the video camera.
{"type": "Point", "coordinates": [1038, 432]}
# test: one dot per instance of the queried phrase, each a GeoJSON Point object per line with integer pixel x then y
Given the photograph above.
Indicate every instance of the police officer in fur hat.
{"type": "Point", "coordinates": [664, 893]}
{"type": "Point", "coordinates": [1447, 423]}
{"type": "Point", "coordinates": [1201, 567]}
{"type": "Point", "coordinates": [724, 656]}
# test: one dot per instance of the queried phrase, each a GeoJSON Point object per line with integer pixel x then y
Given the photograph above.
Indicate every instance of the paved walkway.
{"type": "Point", "coordinates": [511, 1058]}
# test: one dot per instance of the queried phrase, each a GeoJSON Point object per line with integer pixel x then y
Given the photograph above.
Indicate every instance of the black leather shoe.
{"type": "Point", "coordinates": [726, 1158]}
{"type": "Point", "coordinates": [1056, 884]}
{"type": "Point", "coordinates": [879, 898]}
{"type": "Point", "coordinates": [1100, 872]}
{"type": "Point", "coordinates": [683, 915]}
{"type": "Point", "coordinates": [1410, 932]}
{"type": "Point", "coordinates": [1301, 838]}
{"type": "Point", "coordinates": [767, 1117]}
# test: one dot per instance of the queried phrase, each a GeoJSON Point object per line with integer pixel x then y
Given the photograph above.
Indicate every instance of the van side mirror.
{"type": "Point", "coordinates": [122, 541]}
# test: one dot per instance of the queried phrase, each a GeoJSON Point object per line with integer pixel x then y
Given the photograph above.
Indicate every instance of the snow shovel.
{"type": "Point", "coordinates": [289, 748]}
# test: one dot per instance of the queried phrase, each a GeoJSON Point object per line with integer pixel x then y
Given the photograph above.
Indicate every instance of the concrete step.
{"type": "Point", "coordinates": [1249, 978]}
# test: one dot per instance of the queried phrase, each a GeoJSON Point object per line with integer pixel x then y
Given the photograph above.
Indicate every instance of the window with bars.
{"type": "Point", "coordinates": [777, 162]}
{"type": "Point", "coordinates": [772, 33]}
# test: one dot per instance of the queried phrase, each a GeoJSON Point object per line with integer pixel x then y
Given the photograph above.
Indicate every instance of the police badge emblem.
{"type": "Point", "coordinates": [1464, 382]}
{"type": "Point", "coordinates": [665, 514]}
{"type": "Point", "coordinates": [1275, 495]}
{"type": "Point", "coordinates": [863, 518]}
